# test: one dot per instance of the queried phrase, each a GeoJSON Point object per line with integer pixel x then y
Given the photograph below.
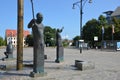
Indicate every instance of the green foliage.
{"type": "Point", "coordinates": [102, 20]}
{"type": "Point", "coordinates": [94, 28]}
{"type": "Point", "coordinates": [116, 22]}
{"type": "Point", "coordinates": [76, 38]}
{"type": "Point", "coordinates": [65, 42]}
{"type": "Point", "coordinates": [29, 40]}
{"type": "Point", "coordinates": [2, 41]}
{"type": "Point", "coordinates": [49, 36]}
{"type": "Point", "coordinates": [117, 28]}
{"type": "Point", "coordinates": [91, 29]}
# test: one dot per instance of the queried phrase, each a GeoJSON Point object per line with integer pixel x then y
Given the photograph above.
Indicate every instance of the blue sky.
{"type": "Point", "coordinates": [57, 13]}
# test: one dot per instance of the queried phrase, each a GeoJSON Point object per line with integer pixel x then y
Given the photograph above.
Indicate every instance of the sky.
{"type": "Point", "coordinates": [56, 14]}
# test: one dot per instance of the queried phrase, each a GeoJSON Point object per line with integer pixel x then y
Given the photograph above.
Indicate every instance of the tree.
{"type": "Point", "coordinates": [103, 23]}
{"type": "Point", "coordinates": [65, 42]}
{"type": "Point", "coordinates": [2, 42]}
{"type": "Point", "coordinates": [108, 33]}
{"type": "Point", "coordinates": [49, 36]}
{"type": "Point", "coordinates": [29, 40]}
{"type": "Point", "coordinates": [102, 20]}
{"type": "Point", "coordinates": [117, 28]}
{"type": "Point", "coordinates": [92, 28]}
{"type": "Point", "coordinates": [108, 30]}
{"type": "Point", "coordinates": [75, 39]}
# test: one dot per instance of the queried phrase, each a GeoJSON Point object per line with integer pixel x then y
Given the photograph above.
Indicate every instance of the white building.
{"type": "Point", "coordinates": [11, 35]}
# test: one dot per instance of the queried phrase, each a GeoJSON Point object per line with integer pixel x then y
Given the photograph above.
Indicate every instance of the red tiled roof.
{"type": "Point", "coordinates": [26, 32]}
{"type": "Point", "coordinates": [13, 33]}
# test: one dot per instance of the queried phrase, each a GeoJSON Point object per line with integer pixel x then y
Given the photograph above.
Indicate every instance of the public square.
{"type": "Point", "coordinates": [107, 65]}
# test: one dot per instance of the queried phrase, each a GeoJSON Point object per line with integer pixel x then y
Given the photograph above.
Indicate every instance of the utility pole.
{"type": "Point", "coordinates": [20, 35]}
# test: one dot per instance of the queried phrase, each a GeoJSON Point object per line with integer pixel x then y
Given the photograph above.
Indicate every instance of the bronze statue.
{"type": "Point", "coordinates": [9, 52]}
{"type": "Point", "coordinates": [38, 39]}
{"type": "Point", "coordinates": [58, 37]}
{"type": "Point", "coordinates": [59, 48]}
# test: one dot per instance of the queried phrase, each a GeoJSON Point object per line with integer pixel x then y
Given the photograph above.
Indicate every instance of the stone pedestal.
{"type": "Point", "coordinates": [32, 74]}
{"type": "Point", "coordinates": [76, 62]}
{"type": "Point", "coordinates": [10, 55]}
{"type": "Point", "coordinates": [8, 59]}
{"type": "Point", "coordinates": [84, 65]}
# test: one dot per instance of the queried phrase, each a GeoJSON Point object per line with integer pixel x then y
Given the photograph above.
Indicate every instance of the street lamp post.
{"type": "Point", "coordinates": [81, 4]}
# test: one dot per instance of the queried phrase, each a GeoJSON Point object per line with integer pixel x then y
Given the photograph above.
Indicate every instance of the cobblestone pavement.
{"type": "Point", "coordinates": [107, 65]}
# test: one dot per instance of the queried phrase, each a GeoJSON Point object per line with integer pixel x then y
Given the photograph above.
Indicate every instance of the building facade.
{"type": "Point", "coordinates": [11, 36]}
{"type": "Point", "coordinates": [111, 14]}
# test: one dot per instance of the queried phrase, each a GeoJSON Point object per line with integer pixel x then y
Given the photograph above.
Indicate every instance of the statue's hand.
{"type": "Point", "coordinates": [33, 21]}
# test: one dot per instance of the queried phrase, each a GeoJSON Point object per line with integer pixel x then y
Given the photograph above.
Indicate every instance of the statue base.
{"type": "Point", "coordinates": [7, 59]}
{"type": "Point", "coordinates": [33, 74]}
{"type": "Point", "coordinates": [60, 59]}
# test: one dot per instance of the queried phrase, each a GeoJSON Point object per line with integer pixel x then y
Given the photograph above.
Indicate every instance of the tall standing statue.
{"type": "Point", "coordinates": [38, 50]}
{"type": "Point", "coordinates": [59, 49]}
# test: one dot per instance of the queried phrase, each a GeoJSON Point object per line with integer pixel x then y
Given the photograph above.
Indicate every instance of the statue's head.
{"type": "Point", "coordinates": [39, 17]}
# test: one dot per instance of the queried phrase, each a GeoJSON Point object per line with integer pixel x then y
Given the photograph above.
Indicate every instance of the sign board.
{"type": "Point", "coordinates": [95, 38]}
{"type": "Point", "coordinates": [81, 40]}
{"type": "Point", "coordinates": [118, 45]}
